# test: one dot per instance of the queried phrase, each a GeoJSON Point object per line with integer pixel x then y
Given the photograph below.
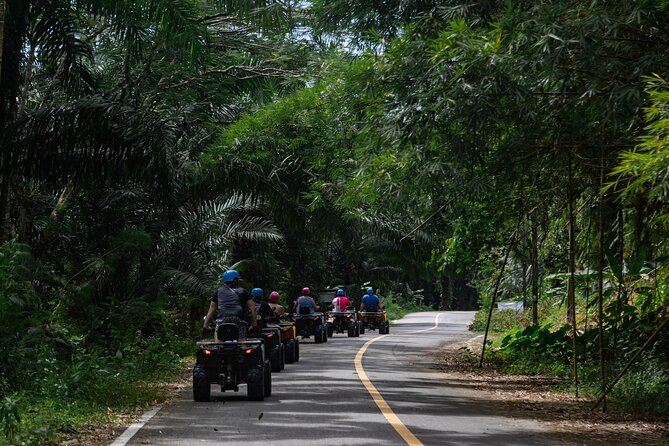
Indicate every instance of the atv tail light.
{"type": "Point", "coordinates": [268, 335]}
{"type": "Point", "coordinates": [207, 351]}
{"type": "Point", "coordinates": [248, 351]}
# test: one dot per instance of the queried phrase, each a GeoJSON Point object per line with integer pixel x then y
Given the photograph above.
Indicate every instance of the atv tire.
{"type": "Point", "coordinates": [319, 334]}
{"type": "Point", "coordinates": [255, 383]}
{"type": "Point", "coordinates": [330, 329]}
{"type": "Point", "coordinates": [290, 351]}
{"type": "Point", "coordinates": [268, 379]}
{"type": "Point", "coordinates": [283, 356]}
{"type": "Point", "coordinates": [297, 349]}
{"type": "Point", "coordinates": [201, 387]}
{"type": "Point", "coordinates": [351, 330]}
{"type": "Point", "coordinates": [362, 327]}
{"type": "Point", "coordinates": [275, 359]}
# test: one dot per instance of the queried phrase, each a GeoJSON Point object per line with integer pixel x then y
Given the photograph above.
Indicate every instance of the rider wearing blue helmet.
{"type": "Point", "coordinates": [231, 302]}
{"type": "Point", "coordinates": [263, 310]}
{"type": "Point", "coordinates": [370, 301]}
{"type": "Point", "coordinates": [341, 302]}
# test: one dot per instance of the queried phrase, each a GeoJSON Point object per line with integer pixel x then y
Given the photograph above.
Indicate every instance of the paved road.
{"type": "Point", "coordinates": [322, 401]}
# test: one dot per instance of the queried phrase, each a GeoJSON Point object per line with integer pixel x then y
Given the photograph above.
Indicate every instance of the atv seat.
{"type": "Point", "coordinates": [227, 332]}
{"type": "Point", "coordinates": [304, 310]}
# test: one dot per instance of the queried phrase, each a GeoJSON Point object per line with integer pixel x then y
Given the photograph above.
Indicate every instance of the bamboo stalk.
{"type": "Point", "coordinates": [600, 284]}
{"type": "Point", "coordinates": [571, 300]}
{"type": "Point", "coordinates": [494, 293]}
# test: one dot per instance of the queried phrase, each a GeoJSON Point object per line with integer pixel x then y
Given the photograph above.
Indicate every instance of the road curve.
{"type": "Point", "coordinates": [322, 400]}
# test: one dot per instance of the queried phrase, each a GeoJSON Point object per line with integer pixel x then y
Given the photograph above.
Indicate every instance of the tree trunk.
{"type": "Point", "coordinates": [571, 265]}
{"type": "Point", "coordinates": [14, 25]}
{"type": "Point", "coordinates": [445, 298]}
{"type": "Point", "coordinates": [571, 291]}
{"type": "Point", "coordinates": [619, 297]}
{"type": "Point", "coordinates": [3, 10]}
{"type": "Point", "coordinates": [534, 254]}
{"type": "Point", "coordinates": [524, 266]}
{"type": "Point", "coordinates": [600, 284]}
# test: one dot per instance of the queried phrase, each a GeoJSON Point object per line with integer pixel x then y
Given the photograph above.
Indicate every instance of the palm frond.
{"type": "Point", "coordinates": [94, 139]}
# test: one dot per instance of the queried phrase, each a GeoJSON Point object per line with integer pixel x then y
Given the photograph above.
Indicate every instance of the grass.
{"type": "Point", "coordinates": [397, 306]}
{"type": "Point", "coordinates": [61, 398]}
{"type": "Point", "coordinates": [642, 392]}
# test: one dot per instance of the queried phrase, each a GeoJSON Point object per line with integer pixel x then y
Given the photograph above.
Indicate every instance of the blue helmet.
{"type": "Point", "coordinates": [256, 292]}
{"type": "Point", "coordinates": [340, 292]}
{"type": "Point", "coordinates": [370, 290]}
{"type": "Point", "coordinates": [230, 275]}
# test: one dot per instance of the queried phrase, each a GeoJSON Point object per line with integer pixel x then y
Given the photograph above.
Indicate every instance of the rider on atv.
{"type": "Point", "coordinates": [371, 302]}
{"type": "Point", "coordinates": [305, 301]}
{"type": "Point", "coordinates": [341, 302]}
{"type": "Point", "coordinates": [230, 302]}
{"type": "Point", "coordinates": [263, 309]}
{"type": "Point", "coordinates": [279, 311]}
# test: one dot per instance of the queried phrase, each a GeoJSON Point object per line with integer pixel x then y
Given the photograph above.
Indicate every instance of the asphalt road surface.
{"type": "Point", "coordinates": [394, 398]}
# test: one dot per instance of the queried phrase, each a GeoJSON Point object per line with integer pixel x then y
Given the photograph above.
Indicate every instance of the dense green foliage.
{"type": "Point", "coordinates": [148, 145]}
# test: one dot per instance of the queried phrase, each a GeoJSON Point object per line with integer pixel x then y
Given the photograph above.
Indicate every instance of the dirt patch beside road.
{"type": "Point", "coordinates": [535, 397]}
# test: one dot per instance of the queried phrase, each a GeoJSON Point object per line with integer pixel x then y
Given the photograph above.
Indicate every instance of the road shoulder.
{"type": "Point", "coordinates": [534, 398]}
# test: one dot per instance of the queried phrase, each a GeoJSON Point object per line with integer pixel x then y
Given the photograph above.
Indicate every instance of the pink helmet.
{"type": "Point", "coordinates": [306, 291]}
{"type": "Point", "coordinates": [274, 297]}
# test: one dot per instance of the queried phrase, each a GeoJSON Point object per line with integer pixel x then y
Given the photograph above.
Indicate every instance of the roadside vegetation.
{"type": "Point", "coordinates": [450, 154]}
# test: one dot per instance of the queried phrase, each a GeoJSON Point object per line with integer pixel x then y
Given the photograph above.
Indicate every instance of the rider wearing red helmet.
{"type": "Point", "coordinates": [305, 300]}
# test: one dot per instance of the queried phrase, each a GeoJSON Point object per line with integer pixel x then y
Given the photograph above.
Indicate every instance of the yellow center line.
{"type": "Point", "coordinates": [383, 406]}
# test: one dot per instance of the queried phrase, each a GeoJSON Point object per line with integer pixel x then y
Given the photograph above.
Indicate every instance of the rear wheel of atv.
{"type": "Point", "coordinates": [290, 351]}
{"type": "Point", "coordinates": [330, 329]}
{"type": "Point", "coordinates": [201, 387]}
{"type": "Point", "coordinates": [351, 330]}
{"type": "Point", "coordinates": [255, 383]}
{"type": "Point", "coordinates": [318, 334]}
{"type": "Point", "coordinates": [357, 329]}
{"type": "Point", "coordinates": [283, 356]}
{"type": "Point", "coordinates": [268, 379]}
{"type": "Point", "coordinates": [275, 359]}
{"type": "Point", "coordinates": [362, 327]}
{"type": "Point", "coordinates": [325, 335]}
{"type": "Point", "coordinates": [383, 326]}
{"type": "Point", "coordinates": [297, 349]}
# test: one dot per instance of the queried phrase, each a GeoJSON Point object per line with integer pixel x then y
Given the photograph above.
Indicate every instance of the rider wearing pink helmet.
{"type": "Point", "coordinates": [305, 301]}
{"type": "Point", "coordinates": [275, 305]}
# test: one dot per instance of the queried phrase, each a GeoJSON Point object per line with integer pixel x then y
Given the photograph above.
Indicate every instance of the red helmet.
{"type": "Point", "coordinates": [274, 297]}
{"type": "Point", "coordinates": [306, 291]}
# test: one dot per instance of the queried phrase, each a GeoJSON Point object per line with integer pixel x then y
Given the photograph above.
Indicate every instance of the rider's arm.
{"type": "Point", "coordinates": [252, 309]}
{"type": "Point", "coordinates": [210, 314]}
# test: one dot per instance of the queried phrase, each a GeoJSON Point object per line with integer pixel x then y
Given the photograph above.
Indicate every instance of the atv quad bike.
{"type": "Point", "coordinates": [343, 322]}
{"type": "Point", "coordinates": [308, 324]}
{"type": "Point", "coordinates": [291, 345]}
{"type": "Point", "coordinates": [229, 363]}
{"type": "Point", "coordinates": [274, 349]}
{"type": "Point", "coordinates": [374, 320]}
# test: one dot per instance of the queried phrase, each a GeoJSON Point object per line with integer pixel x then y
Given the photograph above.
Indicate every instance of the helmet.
{"type": "Point", "coordinates": [256, 292]}
{"type": "Point", "coordinates": [230, 275]}
{"type": "Point", "coordinates": [306, 291]}
{"type": "Point", "coordinates": [340, 292]}
{"type": "Point", "coordinates": [370, 290]}
{"type": "Point", "coordinates": [274, 297]}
